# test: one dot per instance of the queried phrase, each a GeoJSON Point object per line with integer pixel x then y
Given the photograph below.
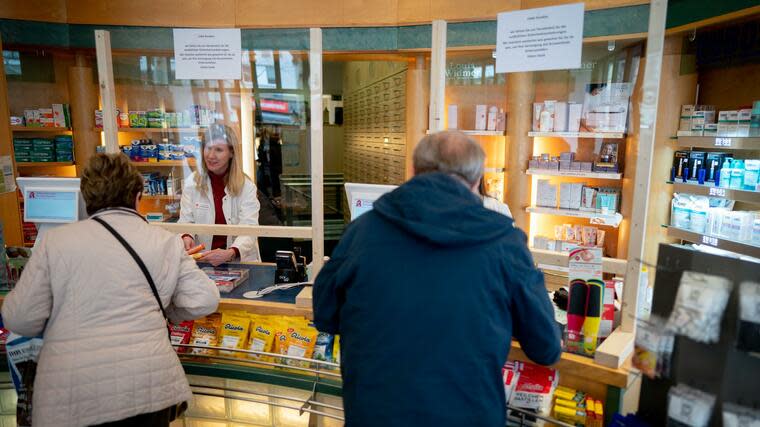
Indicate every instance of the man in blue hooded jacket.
{"type": "Point", "coordinates": [426, 291]}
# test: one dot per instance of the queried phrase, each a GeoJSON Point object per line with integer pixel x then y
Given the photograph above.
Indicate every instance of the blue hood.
{"type": "Point", "coordinates": [439, 209]}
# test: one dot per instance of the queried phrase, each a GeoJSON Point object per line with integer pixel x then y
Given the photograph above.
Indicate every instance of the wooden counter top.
{"type": "Point", "coordinates": [583, 367]}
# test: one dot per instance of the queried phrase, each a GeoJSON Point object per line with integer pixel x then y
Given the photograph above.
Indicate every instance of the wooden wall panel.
{"type": "Point", "coordinates": [370, 12]}
{"type": "Point", "coordinates": [456, 10]}
{"type": "Point", "coordinates": [9, 213]}
{"type": "Point", "coordinates": [262, 13]}
{"type": "Point", "coordinates": [730, 88]}
{"type": "Point", "coordinates": [34, 10]}
{"type": "Point", "coordinates": [299, 13]}
{"type": "Point", "coordinates": [414, 11]}
{"type": "Point", "coordinates": [590, 4]}
{"type": "Point", "coordinates": [134, 12]}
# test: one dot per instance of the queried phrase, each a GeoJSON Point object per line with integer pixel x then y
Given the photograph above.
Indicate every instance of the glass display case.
{"type": "Point", "coordinates": [476, 104]}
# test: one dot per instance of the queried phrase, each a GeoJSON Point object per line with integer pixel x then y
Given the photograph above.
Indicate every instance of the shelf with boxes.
{"type": "Point", "coordinates": [700, 120]}
{"type": "Point", "coordinates": [159, 120]}
{"type": "Point", "coordinates": [743, 248]}
{"type": "Point", "coordinates": [39, 129]}
{"type": "Point", "coordinates": [58, 150]}
{"type": "Point", "coordinates": [56, 118]}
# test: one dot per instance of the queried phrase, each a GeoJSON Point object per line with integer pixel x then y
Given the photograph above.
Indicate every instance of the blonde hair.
{"type": "Point", "coordinates": [234, 180]}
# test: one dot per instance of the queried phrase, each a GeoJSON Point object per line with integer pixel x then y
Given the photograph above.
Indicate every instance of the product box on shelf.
{"type": "Point", "coordinates": [480, 117]}
{"type": "Point", "coordinates": [546, 194]}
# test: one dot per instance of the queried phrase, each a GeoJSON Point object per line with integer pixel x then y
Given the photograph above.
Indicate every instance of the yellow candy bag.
{"type": "Point", "coordinates": [300, 342]}
{"type": "Point", "coordinates": [261, 337]}
{"type": "Point", "coordinates": [234, 331]}
{"type": "Point", "coordinates": [206, 332]}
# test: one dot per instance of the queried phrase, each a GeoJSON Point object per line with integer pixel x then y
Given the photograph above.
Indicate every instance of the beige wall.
{"type": "Point", "coordinates": [266, 13]}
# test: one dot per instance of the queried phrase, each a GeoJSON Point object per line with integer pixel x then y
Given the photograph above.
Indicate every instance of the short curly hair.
{"type": "Point", "coordinates": [110, 181]}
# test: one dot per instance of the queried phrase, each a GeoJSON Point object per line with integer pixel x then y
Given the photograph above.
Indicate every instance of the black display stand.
{"type": "Point", "coordinates": [720, 369]}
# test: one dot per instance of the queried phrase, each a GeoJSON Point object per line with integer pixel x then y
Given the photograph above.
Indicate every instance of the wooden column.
{"type": "Point", "coordinates": [417, 99]}
{"type": "Point", "coordinates": [517, 184]}
{"type": "Point", "coordinates": [107, 90]}
{"type": "Point", "coordinates": [83, 103]}
{"type": "Point", "coordinates": [680, 89]}
{"type": "Point", "coordinates": [437, 77]}
{"type": "Point", "coordinates": [317, 152]}
{"type": "Point", "coordinates": [9, 212]}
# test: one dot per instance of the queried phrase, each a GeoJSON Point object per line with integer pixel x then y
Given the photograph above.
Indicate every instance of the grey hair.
{"type": "Point", "coordinates": [450, 152]}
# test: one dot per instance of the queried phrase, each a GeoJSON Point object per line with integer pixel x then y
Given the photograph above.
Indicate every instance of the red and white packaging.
{"type": "Point", "coordinates": [509, 374]}
{"type": "Point", "coordinates": [535, 387]}
{"type": "Point", "coordinates": [181, 333]}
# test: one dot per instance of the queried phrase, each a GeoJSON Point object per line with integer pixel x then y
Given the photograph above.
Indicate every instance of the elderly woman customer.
{"type": "Point", "coordinates": [106, 357]}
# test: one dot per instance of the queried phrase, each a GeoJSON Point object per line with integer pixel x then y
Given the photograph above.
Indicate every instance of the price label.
{"type": "Point", "coordinates": [709, 240]}
{"type": "Point", "coordinates": [718, 192]}
{"type": "Point", "coordinates": [722, 142]}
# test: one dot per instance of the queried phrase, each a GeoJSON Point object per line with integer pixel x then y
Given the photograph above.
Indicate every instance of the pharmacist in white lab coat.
{"type": "Point", "coordinates": [491, 202]}
{"type": "Point", "coordinates": [220, 193]}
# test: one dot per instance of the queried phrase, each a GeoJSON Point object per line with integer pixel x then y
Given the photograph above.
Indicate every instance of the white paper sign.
{"type": "Point", "coordinates": [9, 182]}
{"type": "Point", "coordinates": [547, 38]}
{"type": "Point", "coordinates": [207, 54]}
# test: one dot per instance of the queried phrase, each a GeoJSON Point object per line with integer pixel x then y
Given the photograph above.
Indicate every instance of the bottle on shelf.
{"type": "Point", "coordinates": [725, 174]}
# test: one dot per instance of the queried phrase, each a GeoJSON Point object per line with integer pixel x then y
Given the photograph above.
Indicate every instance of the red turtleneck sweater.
{"type": "Point", "coordinates": [217, 191]}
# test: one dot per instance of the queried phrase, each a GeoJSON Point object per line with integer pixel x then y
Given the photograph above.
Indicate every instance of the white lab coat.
{"type": "Point", "coordinates": [197, 208]}
{"type": "Point", "coordinates": [495, 205]}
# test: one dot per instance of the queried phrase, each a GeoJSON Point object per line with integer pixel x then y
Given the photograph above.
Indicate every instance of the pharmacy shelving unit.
{"type": "Point", "coordinates": [708, 189]}
{"type": "Point", "coordinates": [555, 140]}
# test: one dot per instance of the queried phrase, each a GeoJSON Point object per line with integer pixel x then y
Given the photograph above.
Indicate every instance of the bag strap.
{"type": "Point", "coordinates": [138, 260]}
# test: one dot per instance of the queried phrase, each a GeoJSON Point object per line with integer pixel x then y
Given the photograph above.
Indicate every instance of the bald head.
{"type": "Point", "coordinates": [450, 152]}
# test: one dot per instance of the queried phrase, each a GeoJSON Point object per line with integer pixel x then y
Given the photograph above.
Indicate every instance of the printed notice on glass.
{"type": "Point", "coordinates": [547, 38]}
{"type": "Point", "coordinates": [207, 54]}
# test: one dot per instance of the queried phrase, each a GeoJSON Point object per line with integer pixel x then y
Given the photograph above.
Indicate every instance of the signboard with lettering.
{"type": "Point", "coordinates": [207, 54]}
{"type": "Point", "coordinates": [547, 38]}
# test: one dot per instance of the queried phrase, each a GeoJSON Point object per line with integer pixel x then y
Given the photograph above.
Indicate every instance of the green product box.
{"type": "Point", "coordinates": [155, 114]}
{"type": "Point", "coordinates": [37, 142]}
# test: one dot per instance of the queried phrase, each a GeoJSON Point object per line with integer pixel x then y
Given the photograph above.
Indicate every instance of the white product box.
{"type": "Point", "coordinates": [687, 110]}
{"type": "Point", "coordinates": [453, 119]}
{"type": "Point", "coordinates": [565, 189]}
{"type": "Point", "coordinates": [480, 117]}
{"type": "Point", "coordinates": [547, 194]}
{"type": "Point", "coordinates": [560, 117]}
{"type": "Point", "coordinates": [576, 194]}
{"type": "Point", "coordinates": [59, 116]}
{"type": "Point", "coordinates": [574, 112]}
{"type": "Point", "coordinates": [744, 114]}
{"type": "Point", "coordinates": [492, 117]}
{"type": "Point", "coordinates": [538, 108]}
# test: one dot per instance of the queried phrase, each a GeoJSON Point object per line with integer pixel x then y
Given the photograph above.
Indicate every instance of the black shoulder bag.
{"type": "Point", "coordinates": [177, 410]}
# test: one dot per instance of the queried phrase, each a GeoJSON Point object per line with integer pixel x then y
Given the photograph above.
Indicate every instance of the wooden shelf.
{"type": "Point", "coordinates": [713, 191]}
{"type": "Point", "coordinates": [575, 174]}
{"type": "Point", "coordinates": [595, 135]}
{"type": "Point", "coordinates": [38, 129]}
{"type": "Point", "coordinates": [561, 259]}
{"type": "Point", "coordinates": [612, 220]}
{"type": "Point", "coordinates": [160, 197]}
{"type": "Point", "coordinates": [22, 165]}
{"type": "Point", "coordinates": [165, 164]}
{"type": "Point", "coordinates": [264, 307]}
{"type": "Point", "coordinates": [474, 132]}
{"type": "Point", "coordinates": [582, 366]}
{"type": "Point", "coordinates": [158, 130]}
{"type": "Point", "coordinates": [743, 248]}
{"type": "Point", "coordinates": [721, 142]}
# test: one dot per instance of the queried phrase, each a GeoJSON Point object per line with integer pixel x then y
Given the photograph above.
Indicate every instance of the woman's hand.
{"type": "Point", "coordinates": [189, 242]}
{"type": "Point", "coordinates": [217, 256]}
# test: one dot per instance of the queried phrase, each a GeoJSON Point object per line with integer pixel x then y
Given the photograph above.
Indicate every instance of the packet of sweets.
{"type": "Point", "coordinates": [234, 331]}
{"type": "Point", "coordinates": [301, 340]}
{"type": "Point", "coordinates": [206, 332]}
{"type": "Point", "coordinates": [261, 338]}
{"type": "Point", "coordinates": [280, 345]}
{"type": "Point", "coordinates": [181, 334]}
